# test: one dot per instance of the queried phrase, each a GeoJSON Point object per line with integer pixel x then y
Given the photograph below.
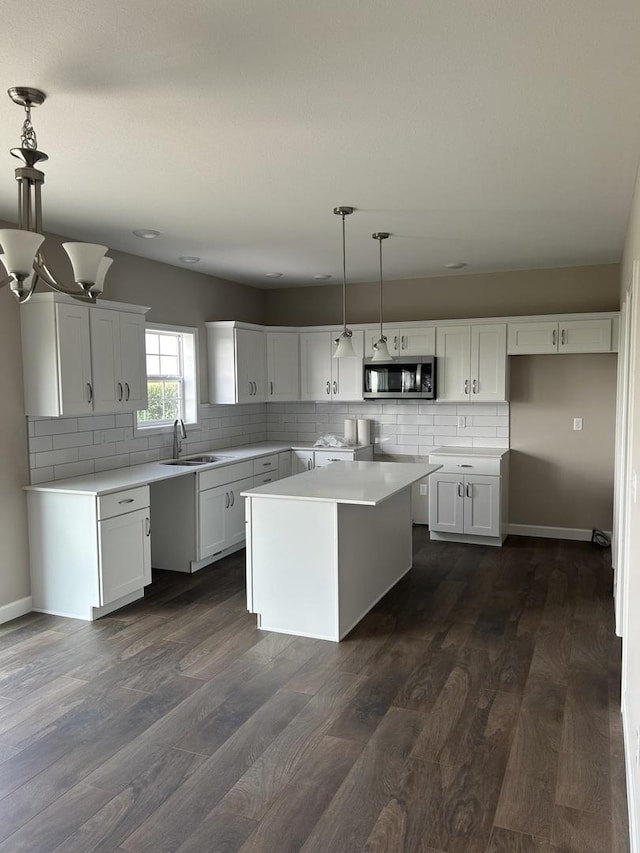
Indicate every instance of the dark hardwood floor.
{"type": "Point", "coordinates": [476, 708]}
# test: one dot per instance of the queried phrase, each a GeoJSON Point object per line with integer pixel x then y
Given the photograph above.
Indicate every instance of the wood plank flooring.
{"type": "Point", "coordinates": [474, 710]}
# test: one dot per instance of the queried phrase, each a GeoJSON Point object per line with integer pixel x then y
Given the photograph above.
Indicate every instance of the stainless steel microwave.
{"type": "Point", "coordinates": [405, 378]}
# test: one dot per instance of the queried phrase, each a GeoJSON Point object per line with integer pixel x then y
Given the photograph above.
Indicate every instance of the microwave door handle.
{"type": "Point", "coordinates": [418, 376]}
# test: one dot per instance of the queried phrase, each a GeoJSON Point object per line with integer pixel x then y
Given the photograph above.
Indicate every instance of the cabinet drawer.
{"type": "Point", "coordinates": [118, 503]}
{"type": "Point", "coordinates": [264, 464]}
{"type": "Point", "coordinates": [326, 457]}
{"type": "Point", "coordinates": [227, 474]}
{"type": "Point", "coordinates": [465, 464]}
{"type": "Point", "coordinates": [263, 479]}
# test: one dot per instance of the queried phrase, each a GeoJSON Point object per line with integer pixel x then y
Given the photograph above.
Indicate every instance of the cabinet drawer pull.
{"type": "Point", "coordinates": [90, 392]}
{"type": "Point", "coordinates": [126, 501]}
{"type": "Point", "coordinates": [226, 496]}
{"type": "Point", "coordinates": [233, 499]}
{"type": "Point", "coordinates": [120, 392]}
{"type": "Point", "coordinates": [267, 480]}
{"type": "Point", "coordinates": [266, 464]}
{"type": "Point", "coordinates": [127, 391]}
{"type": "Point", "coordinates": [464, 465]}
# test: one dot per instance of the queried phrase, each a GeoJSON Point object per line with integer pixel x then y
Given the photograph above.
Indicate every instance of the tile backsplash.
{"type": "Point", "coordinates": [68, 447]}
{"type": "Point", "coordinates": [397, 427]}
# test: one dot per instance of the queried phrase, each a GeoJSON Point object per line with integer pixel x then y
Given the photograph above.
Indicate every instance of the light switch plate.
{"type": "Point", "coordinates": [423, 489]}
{"type": "Point", "coordinates": [577, 423]}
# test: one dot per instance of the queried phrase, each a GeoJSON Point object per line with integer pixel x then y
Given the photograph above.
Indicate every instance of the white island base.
{"type": "Point", "coordinates": [315, 567]}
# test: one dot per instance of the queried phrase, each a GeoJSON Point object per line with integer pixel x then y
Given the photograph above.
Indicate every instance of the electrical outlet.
{"type": "Point", "coordinates": [577, 423]}
{"type": "Point", "coordinates": [462, 421]}
{"type": "Point", "coordinates": [423, 489]}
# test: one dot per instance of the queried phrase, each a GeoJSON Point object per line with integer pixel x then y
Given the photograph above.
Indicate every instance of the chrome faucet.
{"type": "Point", "coordinates": [179, 432]}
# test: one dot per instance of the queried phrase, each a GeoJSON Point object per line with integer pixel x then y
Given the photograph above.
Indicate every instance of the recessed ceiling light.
{"type": "Point", "coordinates": [456, 265]}
{"type": "Point", "coordinates": [189, 259]}
{"type": "Point", "coordinates": [146, 233]}
{"type": "Point", "coordinates": [322, 276]}
{"type": "Point", "coordinates": [273, 274]}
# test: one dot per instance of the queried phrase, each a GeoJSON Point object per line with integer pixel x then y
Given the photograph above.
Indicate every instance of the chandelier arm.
{"type": "Point", "coordinates": [43, 272]}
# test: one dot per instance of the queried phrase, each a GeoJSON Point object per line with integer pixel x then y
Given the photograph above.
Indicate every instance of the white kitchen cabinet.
{"type": "Point", "coordinates": [323, 377]}
{"type": "Point", "coordinates": [567, 335]}
{"type": "Point", "coordinates": [302, 460]}
{"type": "Point", "coordinates": [221, 518]}
{"type": "Point", "coordinates": [307, 460]}
{"type": "Point", "coordinates": [81, 359]}
{"type": "Point", "coordinates": [283, 366]}
{"type": "Point", "coordinates": [236, 357]}
{"type": "Point", "coordinates": [468, 498]}
{"type": "Point", "coordinates": [409, 340]}
{"type": "Point", "coordinates": [472, 363]}
{"type": "Point", "coordinates": [89, 555]}
{"type": "Point", "coordinates": [118, 361]}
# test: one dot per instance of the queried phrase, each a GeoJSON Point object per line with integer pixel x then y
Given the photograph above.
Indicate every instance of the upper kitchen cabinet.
{"type": "Point", "coordinates": [472, 363]}
{"type": "Point", "coordinates": [283, 366]}
{"type": "Point", "coordinates": [80, 359]}
{"type": "Point", "coordinates": [563, 335]}
{"type": "Point", "coordinates": [237, 358]}
{"type": "Point", "coordinates": [323, 377]}
{"type": "Point", "coordinates": [411, 340]}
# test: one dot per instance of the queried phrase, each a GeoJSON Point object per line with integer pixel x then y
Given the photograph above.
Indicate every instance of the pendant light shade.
{"type": "Point", "coordinates": [381, 349]}
{"type": "Point", "coordinates": [85, 259]}
{"type": "Point", "coordinates": [345, 344]}
{"type": "Point", "coordinates": [20, 248]}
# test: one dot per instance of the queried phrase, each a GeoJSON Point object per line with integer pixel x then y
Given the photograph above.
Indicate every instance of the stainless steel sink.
{"type": "Point", "coordinates": [193, 461]}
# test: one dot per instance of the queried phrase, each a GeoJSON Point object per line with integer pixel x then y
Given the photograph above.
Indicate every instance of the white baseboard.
{"type": "Point", "coordinates": [576, 533]}
{"type": "Point", "coordinates": [15, 608]}
{"type": "Point", "coordinates": [629, 759]}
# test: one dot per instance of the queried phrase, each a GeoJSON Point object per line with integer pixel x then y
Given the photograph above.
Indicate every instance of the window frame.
{"type": "Point", "coordinates": [189, 377]}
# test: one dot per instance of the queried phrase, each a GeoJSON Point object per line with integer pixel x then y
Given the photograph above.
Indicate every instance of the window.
{"type": "Point", "coordinates": [171, 376]}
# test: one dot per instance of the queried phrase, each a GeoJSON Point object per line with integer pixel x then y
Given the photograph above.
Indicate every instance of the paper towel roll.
{"type": "Point", "coordinates": [364, 431]}
{"type": "Point", "coordinates": [350, 430]}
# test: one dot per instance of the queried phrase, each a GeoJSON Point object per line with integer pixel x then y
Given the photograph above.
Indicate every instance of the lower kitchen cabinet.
{"type": "Point", "coordinates": [89, 554]}
{"type": "Point", "coordinates": [467, 505]}
{"type": "Point", "coordinates": [221, 518]}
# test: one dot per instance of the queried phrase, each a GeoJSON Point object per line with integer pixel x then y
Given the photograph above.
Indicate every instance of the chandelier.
{"type": "Point", "coordinates": [22, 252]}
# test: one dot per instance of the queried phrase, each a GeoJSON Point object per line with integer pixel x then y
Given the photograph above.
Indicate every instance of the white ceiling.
{"type": "Point", "coordinates": [502, 134]}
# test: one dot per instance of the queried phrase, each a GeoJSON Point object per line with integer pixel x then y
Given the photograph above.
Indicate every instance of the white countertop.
{"type": "Point", "coordinates": [151, 472]}
{"type": "Point", "coordinates": [366, 483]}
{"type": "Point", "coordinates": [487, 452]}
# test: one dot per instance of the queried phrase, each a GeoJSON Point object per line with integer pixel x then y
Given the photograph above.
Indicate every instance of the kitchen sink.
{"type": "Point", "coordinates": [192, 461]}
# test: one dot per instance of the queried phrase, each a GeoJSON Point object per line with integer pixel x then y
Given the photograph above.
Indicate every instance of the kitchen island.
{"type": "Point", "coordinates": [325, 546]}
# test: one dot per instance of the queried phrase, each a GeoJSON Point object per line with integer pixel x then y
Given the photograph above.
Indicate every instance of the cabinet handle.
{"type": "Point", "coordinates": [474, 386]}
{"type": "Point", "coordinates": [328, 387]}
{"type": "Point", "coordinates": [464, 465]}
{"type": "Point", "coordinates": [563, 337]}
{"type": "Point", "coordinates": [469, 490]}
{"type": "Point", "coordinates": [271, 387]}
{"type": "Point", "coordinates": [460, 490]}
{"type": "Point", "coordinates": [395, 342]}
{"type": "Point", "coordinates": [120, 392]}
{"type": "Point", "coordinates": [403, 342]}
{"type": "Point", "coordinates": [226, 495]}
{"type": "Point", "coordinates": [466, 386]}
{"type": "Point", "coordinates": [335, 387]}
{"type": "Point", "coordinates": [126, 501]}
{"type": "Point", "coordinates": [233, 499]}
{"type": "Point", "coordinates": [267, 479]}
{"type": "Point", "coordinates": [266, 464]}
{"type": "Point", "coordinates": [127, 391]}
{"type": "Point", "coordinates": [89, 392]}
{"type": "Point", "coordinates": [308, 464]}
{"type": "Point", "coordinates": [554, 337]}
{"type": "Point", "coordinates": [147, 524]}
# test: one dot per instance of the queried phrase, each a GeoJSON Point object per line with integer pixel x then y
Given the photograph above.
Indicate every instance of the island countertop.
{"type": "Point", "coordinates": [364, 483]}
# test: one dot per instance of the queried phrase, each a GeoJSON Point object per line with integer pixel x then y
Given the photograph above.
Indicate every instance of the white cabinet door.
{"type": "Point", "coordinates": [446, 503]}
{"type": "Point", "coordinates": [532, 338]}
{"type": "Point", "coordinates": [453, 352]}
{"type": "Point", "coordinates": [283, 366]}
{"type": "Point", "coordinates": [302, 460]}
{"type": "Point", "coordinates": [284, 464]}
{"type": "Point", "coordinates": [74, 359]}
{"type": "Point", "coordinates": [585, 335]}
{"type": "Point", "coordinates": [212, 508]}
{"type": "Point", "coordinates": [108, 390]}
{"type": "Point", "coordinates": [250, 366]}
{"type": "Point", "coordinates": [417, 340]}
{"type": "Point", "coordinates": [315, 365]}
{"type": "Point", "coordinates": [133, 361]}
{"type": "Point", "coordinates": [125, 554]}
{"type": "Point", "coordinates": [346, 373]}
{"type": "Point", "coordinates": [488, 371]}
{"type": "Point", "coordinates": [482, 506]}
{"type": "Point", "coordinates": [234, 515]}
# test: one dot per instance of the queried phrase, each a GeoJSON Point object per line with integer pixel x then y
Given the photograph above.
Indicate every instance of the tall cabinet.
{"type": "Point", "coordinates": [237, 358]}
{"type": "Point", "coordinates": [472, 363]}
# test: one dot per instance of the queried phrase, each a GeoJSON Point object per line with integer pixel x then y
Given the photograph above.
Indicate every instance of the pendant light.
{"type": "Point", "coordinates": [345, 345]}
{"type": "Point", "coordinates": [381, 350]}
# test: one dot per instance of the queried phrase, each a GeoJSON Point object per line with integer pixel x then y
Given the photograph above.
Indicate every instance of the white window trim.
{"type": "Point", "coordinates": [192, 391]}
